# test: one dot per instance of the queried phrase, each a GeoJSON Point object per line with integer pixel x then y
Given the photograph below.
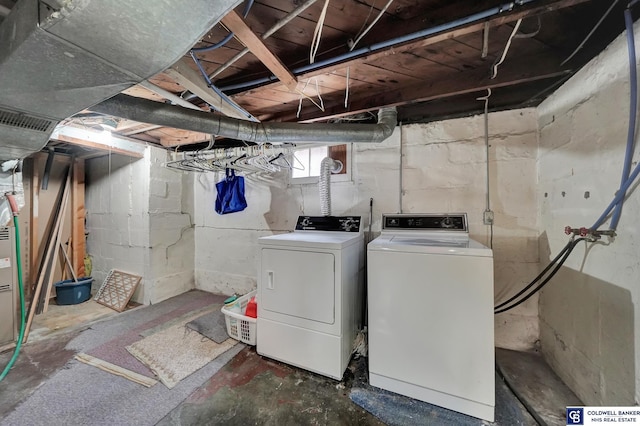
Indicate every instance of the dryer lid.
{"type": "Point", "coordinates": [332, 240]}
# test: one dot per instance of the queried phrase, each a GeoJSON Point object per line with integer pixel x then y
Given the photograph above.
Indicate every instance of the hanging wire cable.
{"type": "Point", "coordinates": [563, 255]}
{"type": "Point", "coordinates": [352, 45]}
{"type": "Point", "coordinates": [346, 89]}
{"type": "Point", "coordinates": [593, 30]}
{"type": "Point", "coordinates": [506, 49]}
{"type": "Point", "coordinates": [317, 33]}
{"type": "Point", "coordinates": [533, 33]}
{"type": "Point", "coordinates": [226, 38]}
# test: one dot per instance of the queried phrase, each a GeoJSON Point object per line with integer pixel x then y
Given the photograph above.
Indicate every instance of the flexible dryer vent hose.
{"type": "Point", "coordinates": [327, 166]}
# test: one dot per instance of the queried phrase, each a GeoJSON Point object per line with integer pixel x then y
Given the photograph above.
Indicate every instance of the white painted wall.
{"type": "Point", "coordinates": [138, 219]}
{"type": "Point", "coordinates": [443, 171]}
{"type": "Point", "coordinates": [117, 203]}
{"type": "Point", "coordinates": [171, 242]}
{"type": "Point", "coordinates": [590, 324]}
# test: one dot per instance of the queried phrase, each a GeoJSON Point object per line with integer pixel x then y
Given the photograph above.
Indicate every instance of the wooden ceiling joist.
{"type": "Point", "coordinates": [108, 143]}
{"type": "Point", "coordinates": [234, 22]}
{"type": "Point", "coordinates": [188, 78]}
{"type": "Point", "coordinates": [511, 74]}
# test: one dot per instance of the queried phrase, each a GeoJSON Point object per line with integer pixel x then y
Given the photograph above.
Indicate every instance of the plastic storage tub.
{"type": "Point", "coordinates": [69, 292]}
{"type": "Point", "coordinates": [241, 327]}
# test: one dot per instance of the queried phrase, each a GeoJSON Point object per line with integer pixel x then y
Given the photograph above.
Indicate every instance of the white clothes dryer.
{"type": "Point", "coordinates": [430, 313]}
{"type": "Point", "coordinates": [310, 286]}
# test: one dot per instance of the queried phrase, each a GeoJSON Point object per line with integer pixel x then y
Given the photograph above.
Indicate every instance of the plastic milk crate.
{"type": "Point", "coordinates": [241, 327]}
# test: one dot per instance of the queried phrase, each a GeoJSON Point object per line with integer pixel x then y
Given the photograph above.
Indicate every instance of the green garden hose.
{"type": "Point", "coordinates": [21, 290]}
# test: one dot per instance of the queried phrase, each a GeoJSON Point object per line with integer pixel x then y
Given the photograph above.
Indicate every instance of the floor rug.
{"type": "Point", "coordinates": [176, 352]}
{"type": "Point", "coordinates": [114, 351]}
{"type": "Point", "coordinates": [212, 325]}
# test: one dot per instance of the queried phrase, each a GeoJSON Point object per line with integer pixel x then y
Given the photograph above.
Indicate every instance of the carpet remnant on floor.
{"type": "Point", "coordinates": [176, 352]}
{"type": "Point", "coordinates": [181, 320]}
{"type": "Point", "coordinates": [114, 351]}
{"type": "Point", "coordinates": [211, 325]}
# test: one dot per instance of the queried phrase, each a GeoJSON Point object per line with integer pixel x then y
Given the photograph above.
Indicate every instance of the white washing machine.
{"type": "Point", "coordinates": [430, 301]}
{"type": "Point", "coordinates": [310, 286]}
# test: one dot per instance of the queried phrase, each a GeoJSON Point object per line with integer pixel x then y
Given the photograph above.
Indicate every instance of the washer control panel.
{"type": "Point", "coordinates": [329, 223]}
{"type": "Point", "coordinates": [426, 222]}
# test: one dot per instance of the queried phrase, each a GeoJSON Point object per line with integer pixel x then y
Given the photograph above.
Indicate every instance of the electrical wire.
{"type": "Point", "coordinates": [593, 30]}
{"type": "Point", "coordinates": [317, 33]}
{"type": "Point", "coordinates": [506, 49]}
{"type": "Point", "coordinates": [226, 38]}
{"type": "Point", "coordinates": [533, 33]}
{"type": "Point", "coordinates": [563, 255]}
{"type": "Point", "coordinates": [219, 92]}
{"type": "Point", "coordinates": [486, 147]}
{"type": "Point", "coordinates": [375, 20]}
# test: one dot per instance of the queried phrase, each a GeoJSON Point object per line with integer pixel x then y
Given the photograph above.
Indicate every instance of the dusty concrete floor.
{"type": "Point", "coordinates": [35, 364]}
{"type": "Point", "coordinates": [254, 390]}
{"type": "Point", "coordinates": [249, 389]}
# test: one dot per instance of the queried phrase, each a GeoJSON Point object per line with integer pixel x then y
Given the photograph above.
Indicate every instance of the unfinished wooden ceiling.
{"type": "Point", "coordinates": [432, 59]}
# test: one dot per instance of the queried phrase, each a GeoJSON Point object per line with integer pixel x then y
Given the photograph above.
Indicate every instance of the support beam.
{"type": "Point", "coordinates": [98, 140]}
{"type": "Point", "coordinates": [189, 78]}
{"type": "Point", "coordinates": [234, 23]}
{"type": "Point", "coordinates": [77, 218]}
{"type": "Point", "coordinates": [175, 99]}
{"type": "Point", "coordinates": [142, 129]}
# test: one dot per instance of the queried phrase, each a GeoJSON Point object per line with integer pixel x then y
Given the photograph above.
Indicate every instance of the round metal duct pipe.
{"type": "Point", "coordinates": [151, 112]}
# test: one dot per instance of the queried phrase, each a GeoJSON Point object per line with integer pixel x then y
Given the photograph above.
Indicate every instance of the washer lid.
{"type": "Point", "coordinates": [313, 239]}
{"type": "Point", "coordinates": [420, 243]}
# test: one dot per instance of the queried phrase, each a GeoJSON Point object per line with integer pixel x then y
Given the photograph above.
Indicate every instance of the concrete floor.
{"type": "Point", "coordinates": [242, 388]}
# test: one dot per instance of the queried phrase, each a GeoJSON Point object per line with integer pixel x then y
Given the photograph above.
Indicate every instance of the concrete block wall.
{"type": "Point", "coordinates": [443, 168]}
{"type": "Point", "coordinates": [117, 205]}
{"type": "Point", "coordinates": [171, 242]}
{"type": "Point", "coordinates": [589, 324]}
{"type": "Point", "coordinates": [139, 221]}
{"type": "Point", "coordinates": [226, 245]}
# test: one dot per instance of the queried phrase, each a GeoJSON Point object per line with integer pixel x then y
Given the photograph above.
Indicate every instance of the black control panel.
{"type": "Point", "coordinates": [426, 222]}
{"type": "Point", "coordinates": [328, 223]}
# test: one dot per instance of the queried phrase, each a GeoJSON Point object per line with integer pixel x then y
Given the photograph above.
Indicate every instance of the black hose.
{"type": "Point", "coordinates": [536, 279]}
{"type": "Point", "coordinates": [228, 37]}
{"type": "Point", "coordinates": [543, 283]}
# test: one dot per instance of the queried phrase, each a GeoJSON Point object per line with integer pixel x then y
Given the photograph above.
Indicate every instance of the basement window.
{"type": "Point", "coordinates": [307, 163]}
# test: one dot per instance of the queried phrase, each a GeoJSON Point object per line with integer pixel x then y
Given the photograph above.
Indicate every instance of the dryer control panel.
{"type": "Point", "coordinates": [425, 222]}
{"type": "Point", "coordinates": [328, 223]}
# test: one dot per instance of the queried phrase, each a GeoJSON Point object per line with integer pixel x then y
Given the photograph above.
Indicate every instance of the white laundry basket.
{"type": "Point", "coordinates": [241, 327]}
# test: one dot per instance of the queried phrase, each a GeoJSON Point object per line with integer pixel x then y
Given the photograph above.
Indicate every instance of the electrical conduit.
{"type": "Point", "coordinates": [14, 210]}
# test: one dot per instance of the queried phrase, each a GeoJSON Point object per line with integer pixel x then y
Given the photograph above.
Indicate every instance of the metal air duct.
{"type": "Point", "coordinates": [56, 61]}
{"type": "Point", "coordinates": [151, 112]}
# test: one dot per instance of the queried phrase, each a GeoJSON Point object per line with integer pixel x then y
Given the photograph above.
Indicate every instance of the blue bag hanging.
{"type": "Point", "coordinates": [230, 193]}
